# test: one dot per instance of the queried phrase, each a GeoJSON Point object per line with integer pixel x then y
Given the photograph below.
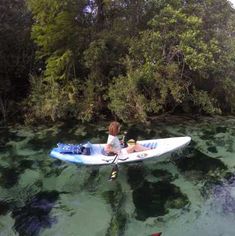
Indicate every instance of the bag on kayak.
{"type": "Point", "coordinates": [84, 149]}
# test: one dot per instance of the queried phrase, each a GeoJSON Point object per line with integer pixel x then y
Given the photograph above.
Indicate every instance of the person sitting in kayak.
{"type": "Point", "coordinates": [114, 146]}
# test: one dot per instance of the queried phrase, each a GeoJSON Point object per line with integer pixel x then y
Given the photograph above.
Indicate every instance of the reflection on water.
{"type": "Point", "coordinates": [189, 193]}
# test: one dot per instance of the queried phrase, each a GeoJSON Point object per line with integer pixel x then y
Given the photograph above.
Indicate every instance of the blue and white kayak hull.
{"type": "Point", "coordinates": [159, 147]}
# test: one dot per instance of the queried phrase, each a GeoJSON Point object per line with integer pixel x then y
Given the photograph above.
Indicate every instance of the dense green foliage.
{"type": "Point", "coordinates": [131, 59]}
{"type": "Point", "coordinates": [16, 55]}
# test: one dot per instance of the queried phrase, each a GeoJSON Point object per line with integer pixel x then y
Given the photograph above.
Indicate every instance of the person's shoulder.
{"type": "Point", "coordinates": [111, 137]}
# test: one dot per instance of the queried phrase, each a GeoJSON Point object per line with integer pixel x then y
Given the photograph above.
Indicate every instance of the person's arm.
{"type": "Point", "coordinates": [108, 148]}
{"type": "Point", "coordinates": [111, 146]}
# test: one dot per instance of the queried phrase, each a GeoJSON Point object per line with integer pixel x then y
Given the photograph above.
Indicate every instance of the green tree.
{"type": "Point", "coordinates": [60, 34]}
{"type": "Point", "coordinates": [174, 64]}
{"type": "Point", "coordinates": [133, 58]}
{"type": "Point", "coordinates": [16, 55]}
{"type": "Point", "coordinates": [116, 23]}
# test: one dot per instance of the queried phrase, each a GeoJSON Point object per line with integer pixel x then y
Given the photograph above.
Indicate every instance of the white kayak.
{"type": "Point", "coordinates": [158, 147]}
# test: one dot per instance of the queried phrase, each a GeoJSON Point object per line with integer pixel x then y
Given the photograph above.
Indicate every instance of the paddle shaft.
{"type": "Point", "coordinates": [115, 158]}
{"type": "Point", "coordinates": [114, 172]}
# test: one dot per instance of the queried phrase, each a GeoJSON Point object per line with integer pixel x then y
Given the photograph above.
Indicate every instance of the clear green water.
{"type": "Point", "coordinates": [189, 193]}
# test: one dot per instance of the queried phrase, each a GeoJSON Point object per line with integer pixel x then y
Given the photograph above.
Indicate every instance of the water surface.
{"type": "Point", "coordinates": [188, 193]}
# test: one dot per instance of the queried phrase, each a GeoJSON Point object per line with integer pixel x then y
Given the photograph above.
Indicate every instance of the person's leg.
{"type": "Point", "coordinates": [140, 148]}
{"type": "Point", "coordinates": [136, 148]}
{"type": "Point", "coordinates": [130, 149]}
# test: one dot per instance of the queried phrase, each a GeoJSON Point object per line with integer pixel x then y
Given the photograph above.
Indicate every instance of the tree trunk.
{"type": "Point", "coordinates": [100, 14]}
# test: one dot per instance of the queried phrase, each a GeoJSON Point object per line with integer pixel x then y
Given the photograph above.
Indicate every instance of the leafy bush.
{"type": "Point", "coordinates": [51, 102]}
{"type": "Point", "coordinates": [145, 91]}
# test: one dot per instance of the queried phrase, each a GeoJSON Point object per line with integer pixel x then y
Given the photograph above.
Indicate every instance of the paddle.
{"type": "Point", "coordinates": [114, 172]}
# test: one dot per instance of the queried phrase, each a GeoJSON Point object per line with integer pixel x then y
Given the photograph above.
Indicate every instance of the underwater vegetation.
{"type": "Point", "coordinates": [35, 214]}
{"type": "Point", "coordinates": [224, 196]}
{"type": "Point", "coordinates": [4, 207]}
{"type": "Point", "coordinates": [198, 161]}
{"type": "Point", "coordinates": [147, 197]}
{"type": "Point", "coordinates": [155, 199]}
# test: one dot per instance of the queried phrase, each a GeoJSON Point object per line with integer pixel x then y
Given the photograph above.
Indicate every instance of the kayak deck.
{"type": "Point", "coordinates": [158, 147]}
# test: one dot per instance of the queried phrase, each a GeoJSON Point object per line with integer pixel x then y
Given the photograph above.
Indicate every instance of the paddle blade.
{"type": "Point", "coordinates": [114, 173]}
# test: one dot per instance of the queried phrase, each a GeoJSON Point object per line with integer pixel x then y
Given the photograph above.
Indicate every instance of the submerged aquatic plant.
{"type": "Point", "coordinates": [4, 207]}
{"type": "Point", "coordinates": [118, 221]}
{"type": "Point", "coordinates": [34, 216]}
{"type": "Point", "coordinates": [154, 199]}
{"type": "Point", "coordinates": [224, 196]}
{"type": "Point", "coordinates": [199, 162]}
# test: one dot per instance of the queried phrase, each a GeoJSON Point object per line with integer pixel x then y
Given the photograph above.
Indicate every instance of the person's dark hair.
{"type": "Point", "coordinates": [114, 128]}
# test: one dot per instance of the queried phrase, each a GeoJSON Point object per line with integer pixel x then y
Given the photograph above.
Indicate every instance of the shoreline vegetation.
{"type": "Point", "coordinates": [160, 120]}
{"type": "Point", "coordinates": [135, 61]}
